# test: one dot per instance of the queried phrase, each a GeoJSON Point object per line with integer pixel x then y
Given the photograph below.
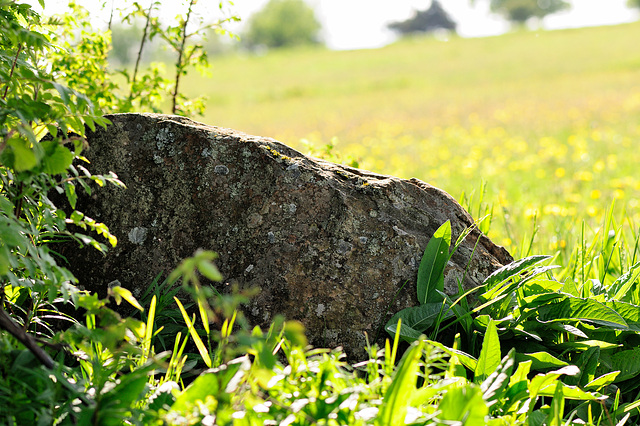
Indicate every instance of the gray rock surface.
{"type": "Point", "coordinates": [328, 245]}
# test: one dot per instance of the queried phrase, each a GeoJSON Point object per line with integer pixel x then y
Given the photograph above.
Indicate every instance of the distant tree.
{"type": "Point", "coordinates": [283, 23]}
{"type": "Point", "coordinates": [633, 3]}
{"type": "Point", "coordinates": [424, 21]}
{"type": "Point", "coordinates": [520, 11]}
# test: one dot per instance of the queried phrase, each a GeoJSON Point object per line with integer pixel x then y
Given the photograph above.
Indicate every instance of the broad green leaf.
{"type": "Point", "coordinates": [407, 333]}
{"type": "Point", "coordinates": [5, 262]}
{"type": "Point", "coordinates": [424, 394]}
{"type": "Point", "coordinates": [602, 381]}
{"type": "Point", "coordinates": [513, 269]}
{"type": "Point", "coordinates": [397, 397]}
{"type": "Point", "coordinates": [583, 345]}
{"type": "Point", "coordinates": [627, 362]}
{"type": "Point", "coordinates": [463, 404]}
{"type": "Point", "coordinates": [541, 286]}
{"type": "Point", "coordinates": [465, 359]}
{"type": "Point", "coordinates": [206, 384]}
{"type": "Point", "coordinates": [70, 191]}
{"type": "Point", "coordinates": [419, 318]}
{"type": "Point", "coordinates": [493, 387]}
{"type": "Point", "coordinates": [6, 206]}
{"type": "Point", "coordinates": [557, 407]}
{"type": "Point", "coordinates": [209, 270]}
{"type": "Point", "coordinates": [542, 381]}
{"type": "Point", "coordinates": [569, 287]}
{"type": "Point", "coordinates": [23, 156]}
{"type": "Point", "coordinates": [575, 308]}
{"type": "Point", "coordinates": [535, 301]}
{"type": "Point", "coordinates": [628, 311]}
{"type": "Point", "coordinates": [11, 234]}
{"type": "Point", "coordinates": [64, 92]}
{"type": "Point", "coordinates": [518, 389]}
{"type": "Point", "coordinates": [434, 260]}
{"type": "Point", "coordinates": [540, 360]}
{"type": "Point", "coordinates": [508, 286]}
{"type": "Point", "coordinates": [121, 292]}
{"type": "Point", "coordinates": [489, 358]}
{"type": "Point", "coordinates": [121, 397]}
{"type": "Point", "coordinates": [57, 158]}
{"type": "Point", "coordinates": [568, 328]}
{"type": "Point", "coordinates": [621, 286]}
{"type": "Point", "coordinates": [570, 392]}
{"type": "Point", "coordinates": [587, 362]}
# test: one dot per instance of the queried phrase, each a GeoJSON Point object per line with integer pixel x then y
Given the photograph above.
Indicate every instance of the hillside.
{"type": "Point", "coordinates": [544, 118]}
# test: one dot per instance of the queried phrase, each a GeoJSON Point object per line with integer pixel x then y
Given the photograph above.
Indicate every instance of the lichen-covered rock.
{"type": "Point", "coordinates": [328, 245]}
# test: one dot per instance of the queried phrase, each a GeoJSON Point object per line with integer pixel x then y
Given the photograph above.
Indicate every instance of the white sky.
{"type": "Point", "coordinates": [355, 24]}
{"type": "Point", "coordinates": [352, 24]}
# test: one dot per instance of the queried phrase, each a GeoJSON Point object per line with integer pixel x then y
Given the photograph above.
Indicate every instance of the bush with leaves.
{"type": "Point", "coordinates": [53, 92]}
{"type": "Point", "coordinates": [283, 23]}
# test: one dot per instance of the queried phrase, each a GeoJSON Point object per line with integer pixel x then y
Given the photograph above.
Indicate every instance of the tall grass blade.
{"type": "Point", "coordinates": [397, 398]}
{"type": "Point", "coordinates": [148, 332]}
{"type": "Point", "coordinates": [204, 353]}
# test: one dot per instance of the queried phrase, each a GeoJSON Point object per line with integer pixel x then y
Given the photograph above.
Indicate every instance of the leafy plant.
{"type": "Point", "coordinates": [539, 320]}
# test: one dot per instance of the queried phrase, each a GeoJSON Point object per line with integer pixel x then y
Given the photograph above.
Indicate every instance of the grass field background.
{"type": "Point", "coordinates": [548, 123]}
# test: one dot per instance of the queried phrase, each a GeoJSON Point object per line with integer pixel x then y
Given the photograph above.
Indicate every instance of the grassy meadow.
{"type": "Point", "coordinates": [542, 127]}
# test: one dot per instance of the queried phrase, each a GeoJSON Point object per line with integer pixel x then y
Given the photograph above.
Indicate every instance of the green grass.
{"type": "Point", "coordinates": [424, 83]}
{"type": "Point", "coordinates": [547, 119]}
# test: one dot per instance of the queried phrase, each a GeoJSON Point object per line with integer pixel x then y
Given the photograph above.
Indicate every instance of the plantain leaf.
{"type": "Point", "coordinates": [540, 360]}
{"type": "Point", "coordinates": [629, 312]}
{"type": "Point", "coordinates": [620, 287]}
{"type": "Point", "coordinates": [575, 308]}
{"type": "Point", "coordinates": [627, 362]}
{"type": "Point", "coordinates": [434, 259]}
{"type": "Point", "coordinates": [602, 381]}
{"type": "Point", "coordinates": [489, 358]}
{"type": "Point", "coordinates": [463, 405]}
{"type": "Point", "coordinates": [418, 319]}
{"type": "Point", "coordinates": [513, 269]}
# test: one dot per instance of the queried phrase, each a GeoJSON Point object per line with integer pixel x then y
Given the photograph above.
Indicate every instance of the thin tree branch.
{"type": "Point", "coordinates": [111, 15]}
{"type": "Point", "coordinates": [25, 338]}
{"type": "Point", "coordinates": [144, 39]}
{"type": "Point", "coordinates": [13, 67]}
{"type": "Point", "coordinates": [179, 65]}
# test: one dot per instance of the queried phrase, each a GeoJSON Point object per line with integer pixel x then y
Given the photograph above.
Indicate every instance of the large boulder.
{"type": "Point", "coordinates": [328, 245]}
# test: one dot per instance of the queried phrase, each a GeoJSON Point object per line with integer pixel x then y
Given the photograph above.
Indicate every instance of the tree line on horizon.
{"type": "Point", "coordinates": [291, 23]}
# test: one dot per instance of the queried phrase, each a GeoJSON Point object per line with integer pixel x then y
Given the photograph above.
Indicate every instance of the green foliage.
{"type": "Point", "coordinates": [633, 3]}
{"type": "Point", "coordinates": [521, 10]}
{"type": "Point", "coordinates": [542, 322]}
{"type": "Point", "coordinates": [283, 23]}
{"type": "Point", "coordinates": [572, 344]}
{"type": "Point", "coordinates": [31, 104]}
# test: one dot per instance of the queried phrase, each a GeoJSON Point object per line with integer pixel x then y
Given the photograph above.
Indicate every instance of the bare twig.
{"type": "Point", "coordinates": [111, 15]}
{"type": "Point", "coordinates": [179, 66]}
